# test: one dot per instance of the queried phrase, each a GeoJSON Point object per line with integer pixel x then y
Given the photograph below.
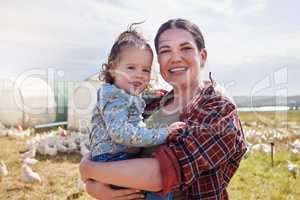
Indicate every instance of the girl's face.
{"type": "Point", "coordinates": [132, 69]}
{"type": "Point", "coordinates": [179, 58]}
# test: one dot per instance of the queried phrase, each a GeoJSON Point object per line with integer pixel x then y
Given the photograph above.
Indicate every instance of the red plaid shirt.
{"type": "Point", "coordinates": [202, 159]}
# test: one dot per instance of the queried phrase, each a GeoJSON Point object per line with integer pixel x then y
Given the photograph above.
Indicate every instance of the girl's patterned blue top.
{"type": "Point", "coordinates": [117, 123]}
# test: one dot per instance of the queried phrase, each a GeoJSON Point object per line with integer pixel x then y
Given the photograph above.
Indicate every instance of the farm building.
{"type": "Point", "coordinates": [35, 102]}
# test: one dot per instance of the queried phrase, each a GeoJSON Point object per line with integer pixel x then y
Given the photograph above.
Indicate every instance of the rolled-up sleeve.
{"type": "Point", "coordinates": [213, 137]}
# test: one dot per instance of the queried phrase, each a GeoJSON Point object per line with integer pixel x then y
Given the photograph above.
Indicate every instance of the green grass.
{"type": "Point", "coordinates": [269, 117]}
{"type": "Point", "coordinates": [256, 179]}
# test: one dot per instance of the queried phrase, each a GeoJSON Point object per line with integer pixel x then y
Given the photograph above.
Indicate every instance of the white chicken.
{"type": "Point", "coordinates": [51, 150]}
{"type": "Point", "coordinates": [18, 133]}
{"type": "Point", "coordinates": [83, 149]}
{"type": "Point", "coordinates": [80, 185]}
{"type": "Point", "coordinates": [30, 161]}
{"type": "Point", "coordinates": [62, 132]}
{"type": "Point", "coordinates": [50, 143]}
{"type": "Point", "coordinates": [66, 146]}
{"type": "Point", "coordinates": [263, 148]}
{"type": "Point", "coordinates": [2, 133]}
{"type": "Point", "coordinates": [28, 176]}
{"type": "Point", "coordinates": [294, 154]}
{"type": "Point", "coordinates": [3, 170]}
{"type": "Point", "coordinates": [29, 154]}
{"type": "Point", "coordinates": [2, 126]}
{"type": "Point", "coordinates": [296, 144]}
{"type": "Point", "coordinates": [292, 168]}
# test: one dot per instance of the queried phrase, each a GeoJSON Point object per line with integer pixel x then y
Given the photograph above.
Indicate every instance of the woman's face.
{"type": "Point", "coordinates": [179, 58]}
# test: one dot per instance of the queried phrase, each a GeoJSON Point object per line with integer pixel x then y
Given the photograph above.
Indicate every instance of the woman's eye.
{"type": "Point", "coordinates": [186, 48]}
{"type": "Point", "coordinates": [146, 70]}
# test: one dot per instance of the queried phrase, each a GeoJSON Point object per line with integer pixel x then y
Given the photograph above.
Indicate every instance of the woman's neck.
{"type": "Point", "coordinates": [182, 96]}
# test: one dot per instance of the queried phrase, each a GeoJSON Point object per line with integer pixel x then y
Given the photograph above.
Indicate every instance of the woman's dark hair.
{"type": "Point", "coordinates": [181, 24]}
{"type": "Point", "coordinates": [128, 38]}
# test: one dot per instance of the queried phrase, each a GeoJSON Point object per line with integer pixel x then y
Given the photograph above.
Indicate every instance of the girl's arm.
{"type": "Point", "coordinates": [123, 131]}
{"type": "Point", "coordinates": [142, 173]}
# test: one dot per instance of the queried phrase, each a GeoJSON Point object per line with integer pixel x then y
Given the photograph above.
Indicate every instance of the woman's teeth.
{"type": "Point", "coordinates": [177, 69]}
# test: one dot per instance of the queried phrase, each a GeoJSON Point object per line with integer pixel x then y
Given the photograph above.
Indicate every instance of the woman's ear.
{"type": "Point", "coordinates": [203, 56]}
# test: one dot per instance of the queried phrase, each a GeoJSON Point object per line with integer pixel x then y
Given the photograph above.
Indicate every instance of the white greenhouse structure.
{"type": "Point", "coordinates": [82, 102]}
{"type": "Point", "coordinates": [27, 103]}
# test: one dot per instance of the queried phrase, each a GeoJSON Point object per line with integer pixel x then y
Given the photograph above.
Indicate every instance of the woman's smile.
{"type": "Point", "coordinates": [178, 70]}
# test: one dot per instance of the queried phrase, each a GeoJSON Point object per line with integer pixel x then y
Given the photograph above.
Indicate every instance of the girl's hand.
{"type": "Point", "coordinates": [105, 192]}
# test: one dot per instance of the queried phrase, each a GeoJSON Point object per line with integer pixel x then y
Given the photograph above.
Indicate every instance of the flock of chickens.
{"type": "Point", "coordinates": [263, 142]}
{"type": "Point", "coordinates": [49, 143]}
{"type": "Point", "coordinates": [64, 141]}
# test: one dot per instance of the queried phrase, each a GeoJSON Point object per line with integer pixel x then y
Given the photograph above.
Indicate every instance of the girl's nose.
{"type": "Point", "coordinates": [139, 74]}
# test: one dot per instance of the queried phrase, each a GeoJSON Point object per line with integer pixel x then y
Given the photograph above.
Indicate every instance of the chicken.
{"type": "Point", "coordinates": [80, 185]}
{"type": "Point", "coordinates": [30, 161]}
{"type": "Point", "coordinates": [292, 168]}
{"type": "Point", "coordinates": [83, 149]}
{"type": "Point", "coordinates": [294, 154]}
{"type": "Point", "coordinates": [263, 148]}
{"type": "Point", "coordinates": [62, 132]}
{"type": "Point", "coordinates": [3, 170]}
{"type": "Point", "coordinates": [29, 154]}
{"type": "Point", "coordinates": [28, 176]}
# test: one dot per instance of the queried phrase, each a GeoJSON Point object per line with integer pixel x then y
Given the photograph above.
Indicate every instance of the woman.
{"type": "Point", "coordinates": [198, 162]}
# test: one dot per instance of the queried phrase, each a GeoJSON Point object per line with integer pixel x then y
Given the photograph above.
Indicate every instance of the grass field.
{"type": "Point", "coordinates": [292, 116]}
{"type": "Point", "coordinates": [59, 175]}
{"type": "Point", "coordinates": [255, 179]}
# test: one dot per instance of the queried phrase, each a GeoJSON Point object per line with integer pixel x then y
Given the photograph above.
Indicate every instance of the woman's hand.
{"type": "Point", "coordinates": [104, 192]}
{"type": "Point", "coordinates": [84, 164]}
{"type": "Point", "coordinates": [174, 127]}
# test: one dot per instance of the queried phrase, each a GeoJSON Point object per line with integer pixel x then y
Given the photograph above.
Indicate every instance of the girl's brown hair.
{"type": "Point", "coordinates": [128, 38]}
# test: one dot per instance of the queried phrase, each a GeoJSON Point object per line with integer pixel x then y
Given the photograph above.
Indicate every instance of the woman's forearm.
{"type": "Point", "coordinates": [143, 173]}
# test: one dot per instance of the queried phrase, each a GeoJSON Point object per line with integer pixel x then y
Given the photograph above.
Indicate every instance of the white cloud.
{"type": "Point", "coordinates": [77, 35]}
{"type": "Point", "coordinates": [236, 48]}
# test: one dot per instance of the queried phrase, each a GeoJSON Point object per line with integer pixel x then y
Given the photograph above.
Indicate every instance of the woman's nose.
{"type": "Point", "coordinates": [176, 57]}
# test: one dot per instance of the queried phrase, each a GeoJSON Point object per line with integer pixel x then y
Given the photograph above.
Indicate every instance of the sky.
{"type": "Point", "coordinates": [253, 45]}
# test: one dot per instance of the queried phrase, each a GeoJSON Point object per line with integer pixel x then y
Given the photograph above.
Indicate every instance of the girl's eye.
{"type": "Point", "coordinates": [131, 67]}
{"type": "Point", "coordinates": [146, 70]}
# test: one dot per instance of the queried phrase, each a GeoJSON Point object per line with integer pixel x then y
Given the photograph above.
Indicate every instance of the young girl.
{"type": "Point", "coordinates": [117, 123]}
